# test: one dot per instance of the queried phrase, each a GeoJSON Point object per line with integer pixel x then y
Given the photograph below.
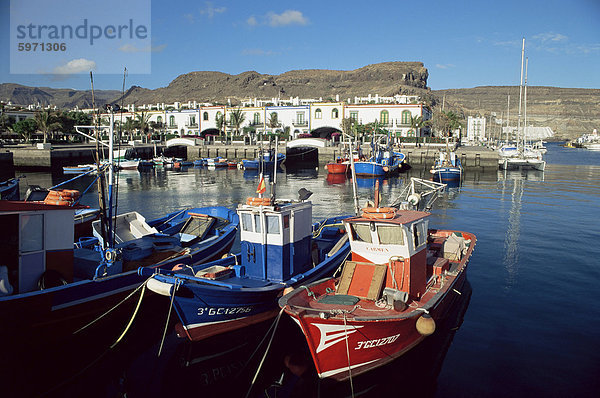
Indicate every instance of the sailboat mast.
{"type": "Point", "coordinates": [520, 94]}
{"type": "Point", "coordinates": [507, 117]}
{"type": "Point", "coordinates": [525, 105]}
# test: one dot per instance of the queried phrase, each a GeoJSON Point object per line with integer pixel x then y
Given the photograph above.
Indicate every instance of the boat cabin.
{"type": "Point", "coordinates": [388, 249]}
{"type": "Point", "coordinates": [36, 241]}
{"type": "Point", "coordinates": [275, 239]}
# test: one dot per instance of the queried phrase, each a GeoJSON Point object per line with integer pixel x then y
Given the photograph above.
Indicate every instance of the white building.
{"type": "Point", "coordinates": [475, 129]}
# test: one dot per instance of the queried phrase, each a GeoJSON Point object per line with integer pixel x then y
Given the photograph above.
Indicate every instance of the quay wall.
{"type": "Point", "coordinates": [471, 157]}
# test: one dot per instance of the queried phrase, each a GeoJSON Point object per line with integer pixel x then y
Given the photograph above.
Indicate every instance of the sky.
{"type": "Point", "coordinates": [463, 44]}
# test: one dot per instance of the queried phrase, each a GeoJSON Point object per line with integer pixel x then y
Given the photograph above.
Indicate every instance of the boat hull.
{"type": "Point", "coordinates": [338, 168]}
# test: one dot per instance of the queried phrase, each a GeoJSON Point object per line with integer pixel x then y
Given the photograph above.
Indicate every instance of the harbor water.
{"type": "Point", "coordinates": [530, 325]}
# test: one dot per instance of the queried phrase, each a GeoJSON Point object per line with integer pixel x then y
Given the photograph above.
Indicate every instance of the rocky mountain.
{"type": "Point", "coordinates": [61, 97]}
{"type": "Point", "coordinates": [569, 111]}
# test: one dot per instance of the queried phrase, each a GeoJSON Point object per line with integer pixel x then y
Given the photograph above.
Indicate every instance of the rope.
{"type": "Point", "coordinates": [265, 355]}
{"type": "Point", "coordinates": [162, 341]}
{"type": "Point", "coordinates": [113, 308]}
{"type": "Point", "coordinates": [137, 307]}
{"type": "Point", "coordinates": [348, 355]}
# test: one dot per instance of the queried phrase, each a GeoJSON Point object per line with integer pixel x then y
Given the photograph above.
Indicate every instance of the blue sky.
{"type": "Point", "coordinates": [463, 44]}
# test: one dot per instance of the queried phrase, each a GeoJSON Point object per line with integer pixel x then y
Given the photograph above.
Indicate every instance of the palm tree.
{"type": "Point", "coordinates": [237, 118]}
{"type": "Point", "coordinates": [141, 121]}
{"type": "Point", "coordinates": [220, 122]}
{"type": "Point", "coordinates": [273, 122]}
{"type": "Point", "coordinates": [416, 124]}
{"type": "Point", "coordinates": [46, 122]}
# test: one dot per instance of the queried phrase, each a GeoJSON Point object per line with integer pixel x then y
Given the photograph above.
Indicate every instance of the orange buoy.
{"type": "Point", "coordinates": [258, 201]}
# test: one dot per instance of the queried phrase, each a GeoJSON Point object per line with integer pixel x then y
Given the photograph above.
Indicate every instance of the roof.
{"type": "Point", "coordinates": [401, 217]}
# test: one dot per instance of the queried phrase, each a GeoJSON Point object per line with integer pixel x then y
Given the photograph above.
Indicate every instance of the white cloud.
{"type": "Point", "coordinates": [130, 48]}
{"type": "Point", "coordinates": [210, 10]}
{"type": "Point", "coordinates": [444, 66]}
{"type": "Point", "coordinates": [75, 66]}
{"type": "Point", "coordinates": [257, 51]}
{"type": "Point", "coordinates": [549, 36]}
{"type": "Point", "coordinates": [252, 21]}
{"type": "Point", "coordinates": [288, 17]}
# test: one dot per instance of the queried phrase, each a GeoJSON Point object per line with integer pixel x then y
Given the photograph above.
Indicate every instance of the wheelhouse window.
{"type": "Point", "coordinates": [247, 222]}
{"type": "Point", "coordinates": [361, 233]}
{"type": "Point", "coordinates": [273, 224]}
{"type": "Point", "coordinates": [32, 233]}
{"type": "Point", "coordinates": [419, 233]}
{"type": "Point", "coordinates": [257, 223]}
{"type": "Point", "coordinates": [390, 235]}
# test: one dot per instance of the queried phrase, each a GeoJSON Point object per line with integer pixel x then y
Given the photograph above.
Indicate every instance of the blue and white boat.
{"type": "Point", "coordinates": [280, 248]}
{"type": "Point", "coordinates": [385, 161]}
{"type": "Point", "coordinates": [447, 167]}
{"type": "Point", "coordinates": [9, 189]}
{"type": "Point", "coordinates": [268, 161]}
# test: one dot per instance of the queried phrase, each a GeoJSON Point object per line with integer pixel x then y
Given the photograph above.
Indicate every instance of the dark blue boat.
{"type": "Point", "coordinates": [280, 248]}
{"type": "Point", "coordinates": [268, 161]}
{"type": "Point", "coordinates": [447, 168]}
{"type": "Point", "coordinates": [9, 189]}
{"type": "Point", "coordinates": [384, 162]}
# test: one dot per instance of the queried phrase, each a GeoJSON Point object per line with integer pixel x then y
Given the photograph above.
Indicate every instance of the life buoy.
{"type": "Point", "coordinates": [258, 201]}
{"type": "Point", "coordinates": [379, 212]}
{"type": "Point", "coordinates": [58, 202]}
{"type": "Point", "coordinates": [63, 193]}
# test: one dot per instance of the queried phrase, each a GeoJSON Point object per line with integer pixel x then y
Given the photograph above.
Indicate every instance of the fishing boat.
{"type": "Point", "coordinates": [280, 248]}
{"type": "Point", "coordinates": [267, 159]}
{"type": "Point", "coordinates": [447, 167]}
{"type": "Point", "coordinates": [383, 162]}
{"type": "Point", "coordinates": [340, 166]}
{"type": "Point", "coordinates": [9, 189]}
{"type": "Point", "coordinates": [400, 279]}
{"type": "Point", "coordinates": [53, 288]}
{"type": "Point", "coordinates": [79, 169]}
{"type": "Point", "coordinates": [182, 237]}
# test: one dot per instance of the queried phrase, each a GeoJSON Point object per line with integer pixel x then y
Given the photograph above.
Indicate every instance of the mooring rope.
{"type": "Point", "coordinates": [162, 341]}
{"type": "Point", "coordinates": [348, 355]}
{"type": "Point", "coordinates": [112, 309]}
{"type": "Point", "coordinates": [137, 307]}
{"type": "Point", "coordinates": [266, 352]}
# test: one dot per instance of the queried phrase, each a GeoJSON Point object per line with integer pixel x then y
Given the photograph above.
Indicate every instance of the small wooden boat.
{"type": "Point", "coordinates": [341, 166]}
{"type": "Point", "coordinates": [79, 169]}
{"type": "Point", "coordinates": [400, 279]}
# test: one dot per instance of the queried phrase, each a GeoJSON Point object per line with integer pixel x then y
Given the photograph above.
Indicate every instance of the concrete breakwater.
{"type": "Point", "coordinates": [62, 155]}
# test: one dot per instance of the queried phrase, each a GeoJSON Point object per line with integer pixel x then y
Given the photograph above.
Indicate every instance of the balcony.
{"type": "Point", "coordinates": [192, 125]}
{"type": "Point", "coordinates": [300, 123]}
{"type": "Point", "coordinates": [172, 126]}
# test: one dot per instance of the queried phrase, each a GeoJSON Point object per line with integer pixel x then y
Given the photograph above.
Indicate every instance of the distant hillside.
{"type": "Point", "coordinates": [570, 112]}
{"type": "Point", "coordinates": [61, 97]}
{"type": "Point", "coordinates": [385, 79]}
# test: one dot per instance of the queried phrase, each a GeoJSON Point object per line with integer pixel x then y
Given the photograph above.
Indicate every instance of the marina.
{"type": "Point", "coordinates": [506, 317]}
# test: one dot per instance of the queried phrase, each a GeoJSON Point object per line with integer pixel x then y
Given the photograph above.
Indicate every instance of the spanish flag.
{"type": "Point", "coordinates": [262, 188]}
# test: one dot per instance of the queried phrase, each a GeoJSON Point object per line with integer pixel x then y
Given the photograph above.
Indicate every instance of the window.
{"type": "Point", "coordinates": [257, 223]}
{"type": "Point", "coordinates": [159, 120]}
{"type": "Point", "coordinates": [384, 117]}
{"type": "Point", "coordinates": [406, 117]}
{"type": "Point", "coordinates": [172, 120]}
{"type": "Point", "coordinates": [273, 224]}
{"type": "Point", "coordinates": [361, 233]}
{"type": "Point", "coordinates": [354, 116]}
{"type": "Point", "coordinates": [318, 113]}
{"type": "Point", "coordinates": [335, 113]}
{"type": "Point", "coordinates": [390, 235]}
{"type": "Point", "coordinates": [32, 233]}
{"type": "Point", "coordinates": [274, 117]}
{"type": "Point", "coordinates": [205, 116]}
{"type": "Point", "coordinates": [286, 221]}
{"type": "Point", "coordinates": [192, 119]}
{"type": "Point", "coordinates": [418, 233]}
{"type": "Point", "coordinates": [300, 117]}
{"type": "Point", "coordinates": [256, 118]}
{"type": "Point", "coordinates": [246, 222]}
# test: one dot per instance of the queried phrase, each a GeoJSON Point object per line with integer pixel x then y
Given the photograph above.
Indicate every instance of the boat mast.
{"type": "Point", "coordinates": [520, 150]}
{"type": "Point", "coordinates": [525, 105]}
{"type": "Point", "coordinates": [507, 117]}
{"type": "Point", "coordinates": [274, 183]}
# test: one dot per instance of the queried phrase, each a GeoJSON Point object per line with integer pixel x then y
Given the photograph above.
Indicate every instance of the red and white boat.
{"type": "Point", "coordinates": [400, 279]}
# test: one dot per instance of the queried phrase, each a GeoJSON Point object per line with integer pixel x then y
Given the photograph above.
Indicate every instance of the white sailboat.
{"type": "Point", "coordinates": [523, 156]}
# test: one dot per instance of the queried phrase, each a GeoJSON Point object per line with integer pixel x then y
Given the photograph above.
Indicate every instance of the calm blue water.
{"type": "Point", "coordinates": [532, 326]}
